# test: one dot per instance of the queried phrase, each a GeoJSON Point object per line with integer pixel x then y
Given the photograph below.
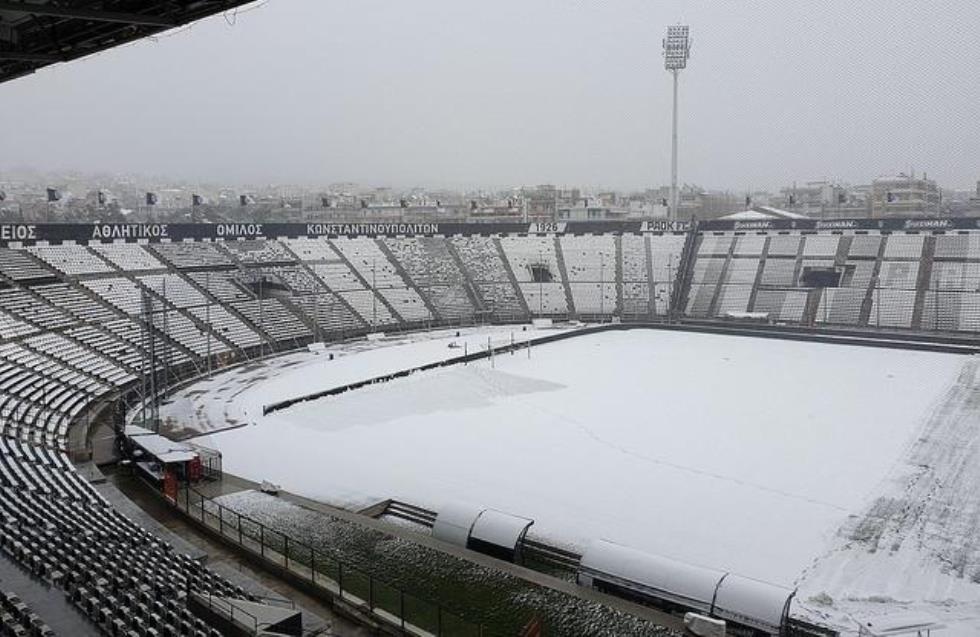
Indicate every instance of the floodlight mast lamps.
{"type": "Point", "coordinates": [677, 49]}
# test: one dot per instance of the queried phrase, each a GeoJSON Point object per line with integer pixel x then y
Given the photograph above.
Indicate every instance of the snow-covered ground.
{"type": "Point", "coordinates": [237, 396]}
{"type": "Point", "coordinates": [770, 458]}
{"type": "Point", "coordinates": [915, 545]}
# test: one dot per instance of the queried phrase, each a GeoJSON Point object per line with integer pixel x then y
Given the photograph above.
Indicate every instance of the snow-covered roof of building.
{"type": "Point", "coordinates": [163, 449]}
{"type": "Point", "coordinates": [761, 213]}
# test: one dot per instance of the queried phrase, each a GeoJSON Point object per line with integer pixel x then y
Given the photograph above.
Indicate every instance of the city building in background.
{"type": "Point", "coordinates": [84, 198]}
{"type": "Point", "coordinates": [905, 196]}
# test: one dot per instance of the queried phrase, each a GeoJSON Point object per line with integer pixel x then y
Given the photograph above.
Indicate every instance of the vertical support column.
{"type": "Point", "coordinates": [758, 275]}
{"type": "Point", "coordinates": [923, 283]}
{"type": "Point", "coordinates": [563, 272]}
{"type": "Point", "coordinates": [651, 284]}
{"type": "Point", "coordinates": [872, 292]}
{"type": "Point", "coordinates": [674, 198]}
{"type": "Point", "coordinates": [722, 280]}
{"type": "Point", "coordinates": [618, 244]}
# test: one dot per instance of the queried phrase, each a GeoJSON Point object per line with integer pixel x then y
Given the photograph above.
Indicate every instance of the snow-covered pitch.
{"type": "Point", "coordinates": [754, 455]}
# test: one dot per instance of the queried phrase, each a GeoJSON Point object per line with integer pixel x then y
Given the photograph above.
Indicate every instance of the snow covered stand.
{"type": "Point", "coordinates": [676, 586]}
{"type": "Point", "coordinates": [483, 530]}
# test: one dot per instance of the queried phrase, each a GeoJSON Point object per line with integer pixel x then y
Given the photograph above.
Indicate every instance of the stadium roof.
{"type": "Point", "coordinates": [37, 33]}
{"type": "Point", "coordinates": [761, 213]}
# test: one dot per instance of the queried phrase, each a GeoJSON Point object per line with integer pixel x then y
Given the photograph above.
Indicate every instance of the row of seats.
{"type": "Point", "coordinates": [53, 523]}
{"type": "Point", "coordinates": [121, 578]}
{"type": "Point", "coordinates": [416, 279]}
{"type": "Point", "coordinates": [381, 274]}
{"type": "Point", "coordinates": [75, 301]}
{"type": "Point", "coordinates": [257, 250]}
{"type": "Point", "coordinates": [882, 277]}
{"type": "Point", "coordinates": [483, 263]}
{"type": "Point", "coordinates": [273, 318]}
{"type": "Point", "coordinates": [590, 262]}
{"type": "Point", "coordinates": [71, 259]}
{"type": "Point", "coordinates": [224, 285]}
{"type": "Point", "coordinates": [534, 262]}
{"type": "Point", "coordinates": [955, 275]}
{"type": "Point", "coordinates": [328, 313]}
{"type": "Point", "coordinates": [12, 327]}
{"type": "Point", "coordinates": [191, 254]}
{"type": "Point", "coordinates": [635, 275]}
{"type": "Point", "coordinates": [18, 265]}
{"type": "Point", "coordinates": [26, 306]}
{"type": "Point", "coordinates": [423, 278]}
{"type": "Point", "coordinates": [341, 278]}
{"type": "Point", "coordinates": [958, 246]}
{"type": "Point", "coordinates": [18, 620]}
{"type": "Point", "coordinates": [40, 394]}
{"type": "Point", "coordinates": [225, 325]}
{"type": "Point", "coordinates": [128, 257]}
{"type": "Point", "coordinates": [80, 358]}
{"type": "Point", "coordinates": [432, 268]}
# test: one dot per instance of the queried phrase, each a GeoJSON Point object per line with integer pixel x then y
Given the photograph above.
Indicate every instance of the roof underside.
{"type": "Point", "coordinates": [37, 33]}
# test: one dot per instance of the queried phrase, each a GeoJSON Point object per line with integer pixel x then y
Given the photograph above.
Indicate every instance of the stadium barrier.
{"type": "Point", "coordinates": [324, 574]}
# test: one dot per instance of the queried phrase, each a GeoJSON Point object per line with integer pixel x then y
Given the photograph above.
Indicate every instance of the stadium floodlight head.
{"type": "Point", "coordinates": [677, 47]}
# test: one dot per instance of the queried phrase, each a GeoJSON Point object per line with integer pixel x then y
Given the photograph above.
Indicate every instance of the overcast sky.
{"type": "Point", "coordinates": [463, 93]}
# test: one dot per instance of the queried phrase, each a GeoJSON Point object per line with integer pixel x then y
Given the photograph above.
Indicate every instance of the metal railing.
{"type": "Point", "coordinates": [342, 580]}
{"type": "Point", "coordinates": [230, 612]}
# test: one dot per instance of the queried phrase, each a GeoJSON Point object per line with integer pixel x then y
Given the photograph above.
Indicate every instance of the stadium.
{"type": "Point", "coordinates": [464, 387]}
{"type": "Point", "coordinates": [747, 426]}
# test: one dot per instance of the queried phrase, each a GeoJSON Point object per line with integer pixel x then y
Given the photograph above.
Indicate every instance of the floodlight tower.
{"type": "Point", "coordinates": [677, 48]}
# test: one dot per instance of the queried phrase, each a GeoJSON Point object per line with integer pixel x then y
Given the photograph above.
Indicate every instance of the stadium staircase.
{"type": "Point", "coordinates": [41, 300]}
{"type": "Point", "coordinates": [713, 309]}
{"type": "Point", "coordinates": [232, 310]}
{"type": "Point", "coordinates": [170, 308]}
{"type": "Point", "coordinates": [400, 270]}
{"type": "Point", "coordinates": [813, 297]}
{"type": "Point", "coordinates": [798, 265]}
{"type": "Point", "coordinates": [923, 281]}
{"type": "Point", "coordinates": [651, 284]}
{"type": "Point", "coordinates": [563, 273]}
{"type": "Point", "coordinates": [757, 282]}
{"type": "Point", "coordinates": [468, 286]}
{"type": "Point", "coordinates": [300, 263]}
{"type": "Point", "coordinates": [618, 242]}
{"type": "Point", "coordinates": [682, 288]}
{"type": "Point", "coordinates": [512, 277]}
{"type": "Point", "coordinates": [869, 299]}
{"type": "Point", "coordinates": [367, 286]}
